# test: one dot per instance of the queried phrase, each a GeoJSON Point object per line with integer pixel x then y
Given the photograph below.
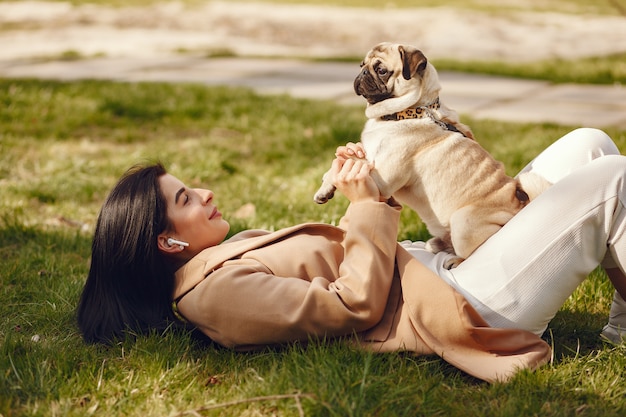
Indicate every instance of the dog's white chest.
{"type": "Point", "coordinates": [389, 140]}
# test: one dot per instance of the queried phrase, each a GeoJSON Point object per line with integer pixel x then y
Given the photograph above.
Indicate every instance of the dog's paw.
{"type": "Point", "coordinates": [453, 262]}
{"type": "Point", "coordinates": [437, 244]}
{"type": "Point", "coordinates": [322, 196]}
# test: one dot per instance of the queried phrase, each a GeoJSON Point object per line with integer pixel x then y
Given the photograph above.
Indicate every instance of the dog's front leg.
{"type": "Point", "coordinates": [392, 171]}
{"type": "Point", "coordinates": [327, 189]}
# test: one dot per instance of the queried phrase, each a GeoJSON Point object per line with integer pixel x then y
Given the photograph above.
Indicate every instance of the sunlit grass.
{"type": "Point", "coordinates": [609, 69]}
{"type": "Point", "coordinates": [63, 145]}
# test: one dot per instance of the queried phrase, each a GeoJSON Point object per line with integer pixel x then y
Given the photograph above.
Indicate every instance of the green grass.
{"type": "Point", "coordinates": [63, 145]}
{"type": "Point", "coordinates": [610, 69]}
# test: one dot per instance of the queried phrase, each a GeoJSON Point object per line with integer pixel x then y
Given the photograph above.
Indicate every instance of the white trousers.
{"type": "Point", "coordinates": [523, 274]}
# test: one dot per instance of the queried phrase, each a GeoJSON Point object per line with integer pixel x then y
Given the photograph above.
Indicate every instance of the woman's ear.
{"type": "Point", "coordinates": [165, 247]}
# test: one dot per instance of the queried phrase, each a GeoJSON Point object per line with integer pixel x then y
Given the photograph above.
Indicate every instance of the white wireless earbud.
{"type": "Point", "coordinates": [180, 243]}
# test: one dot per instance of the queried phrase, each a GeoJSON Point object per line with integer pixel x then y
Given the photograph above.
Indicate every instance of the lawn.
{"type": "Point", "coordinates": [63, 145]}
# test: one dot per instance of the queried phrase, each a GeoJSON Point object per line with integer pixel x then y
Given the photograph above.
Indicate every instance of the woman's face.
{"type": "Point", "coordinates": [193, 216]}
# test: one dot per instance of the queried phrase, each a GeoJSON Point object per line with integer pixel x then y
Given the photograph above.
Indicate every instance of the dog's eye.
{"type": "Point", "coordinates": [381, 71]}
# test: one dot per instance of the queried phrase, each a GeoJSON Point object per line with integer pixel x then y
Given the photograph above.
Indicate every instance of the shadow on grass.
{"type": "Point", "coordinates": [575, 333]}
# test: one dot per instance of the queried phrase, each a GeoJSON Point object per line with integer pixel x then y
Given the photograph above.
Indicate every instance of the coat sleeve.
{"type": "Point", "coordinates": [243, 305]}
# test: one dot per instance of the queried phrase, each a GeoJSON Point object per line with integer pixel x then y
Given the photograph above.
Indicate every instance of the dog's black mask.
{"type": "Point", "coordinates": [373, 86]}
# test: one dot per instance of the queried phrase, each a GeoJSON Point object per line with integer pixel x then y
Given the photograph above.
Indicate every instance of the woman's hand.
{"type": "Point", "coordinates": [353, 179]}
{"type": "Point", "coordinates": [351, 150]}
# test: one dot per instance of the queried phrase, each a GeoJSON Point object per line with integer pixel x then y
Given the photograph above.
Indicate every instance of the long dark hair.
{"type": "Point", "coordinates": [130, 283]}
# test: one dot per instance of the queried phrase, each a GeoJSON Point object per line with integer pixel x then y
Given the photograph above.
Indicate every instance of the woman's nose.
{"type": "Point", "coordinates": [206, 195]}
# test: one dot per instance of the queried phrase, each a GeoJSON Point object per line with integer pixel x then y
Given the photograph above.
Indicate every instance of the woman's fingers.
{"type": "Point", "coordinates": [350, 150]}
{"type": "Point", "coordinates": [352, 178]}
{"type": "Point", "coordinates": [351, 169]}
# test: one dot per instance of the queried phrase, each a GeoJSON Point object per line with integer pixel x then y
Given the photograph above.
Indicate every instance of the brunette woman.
{"type": "Point", "coordinates": [159, 257]}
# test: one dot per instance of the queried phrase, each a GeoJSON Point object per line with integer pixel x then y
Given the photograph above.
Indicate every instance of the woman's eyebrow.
{"type": "Point", "coordinates": [178, 193]}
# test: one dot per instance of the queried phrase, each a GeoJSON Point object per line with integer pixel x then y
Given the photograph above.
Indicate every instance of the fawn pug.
{"type": "Point", "coordinates": [427, 159]}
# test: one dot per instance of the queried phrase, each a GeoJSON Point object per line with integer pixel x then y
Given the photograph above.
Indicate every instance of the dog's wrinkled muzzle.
{"type": "Point", "coordinates": [370, 87]}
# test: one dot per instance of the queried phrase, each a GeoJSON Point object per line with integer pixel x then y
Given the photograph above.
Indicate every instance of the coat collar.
{"type": "Point", "coordinates": [201, 265]}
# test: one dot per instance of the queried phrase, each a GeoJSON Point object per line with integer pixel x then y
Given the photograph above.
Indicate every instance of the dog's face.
{"type": "Point", "coordinates": [389, 71]}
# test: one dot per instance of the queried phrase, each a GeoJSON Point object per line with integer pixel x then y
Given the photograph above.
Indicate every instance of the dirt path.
{"type": "Point", "coordinates": [41, 29]}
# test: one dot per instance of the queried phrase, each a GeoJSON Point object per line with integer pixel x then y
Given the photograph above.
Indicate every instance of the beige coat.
{"type": "Point", "coordinates": [264, 288]}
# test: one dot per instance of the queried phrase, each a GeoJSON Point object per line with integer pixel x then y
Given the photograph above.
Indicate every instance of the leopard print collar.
{"type": "Point", "coordinates": [421, 112]}
{"type": "Point", "coordinates": [414, 112]}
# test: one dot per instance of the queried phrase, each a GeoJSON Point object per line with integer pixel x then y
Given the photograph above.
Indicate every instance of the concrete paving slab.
{"type": "Point", "coordinates": [577, 105]}
{"type": "Point", "coordinates": [471, 94]}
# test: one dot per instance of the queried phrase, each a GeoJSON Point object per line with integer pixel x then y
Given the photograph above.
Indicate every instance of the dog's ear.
{"type": "Point", "coordinates": [413, 61]}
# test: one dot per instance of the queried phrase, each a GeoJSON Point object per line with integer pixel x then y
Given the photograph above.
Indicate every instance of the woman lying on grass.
{"type": "Point", "coordinates": [159, 256]}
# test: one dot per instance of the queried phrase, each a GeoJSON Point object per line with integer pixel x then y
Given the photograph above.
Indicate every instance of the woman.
{"type": "Point", "coordinates": [158, 241]}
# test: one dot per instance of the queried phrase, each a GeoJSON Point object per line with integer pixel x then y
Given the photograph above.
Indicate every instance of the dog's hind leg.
{"type": "Point", "coordinates": [443, 244]}
{"type": "Point", "coordinates": [440, 244]}
{"type": "Point", "coordinates": [471, 226]}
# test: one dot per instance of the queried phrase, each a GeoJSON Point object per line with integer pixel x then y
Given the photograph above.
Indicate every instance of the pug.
{"type": "Point", "coordinates": [427, 159]}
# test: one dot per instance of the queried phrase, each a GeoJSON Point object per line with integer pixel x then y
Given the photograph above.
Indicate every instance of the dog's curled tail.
{"type": "Point", "coordinates": [533, 184]}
